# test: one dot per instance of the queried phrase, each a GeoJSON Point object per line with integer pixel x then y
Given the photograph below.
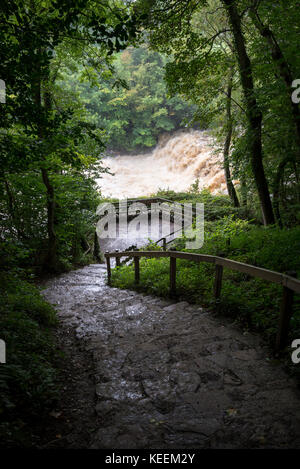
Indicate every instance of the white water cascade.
{"type": "Point", "coordinates": [175, 163]}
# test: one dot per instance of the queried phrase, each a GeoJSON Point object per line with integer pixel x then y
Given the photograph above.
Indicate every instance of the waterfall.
{"type": "Point", "coordinates": [175, 163]}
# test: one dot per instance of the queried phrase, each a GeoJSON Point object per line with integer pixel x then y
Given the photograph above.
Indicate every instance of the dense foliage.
{"type": "Point", "coordinates": [130, 102]}
{"type": "Point", "coordinates": [49, 155]}
{"type": "Point", "coordinates": [254, 303]}
{"type": "Point", "coordinates": [81, 75]}
{"type": "Point", "coordinates": [29, 379]}
{"type": "Point", "coordinates": [238, 62]}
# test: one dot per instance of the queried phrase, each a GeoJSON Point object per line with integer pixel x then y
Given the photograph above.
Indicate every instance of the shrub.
{"type": "Point", "coordinates": [254, 302]}
{"type": "Point", "coordinates": [28, 381]}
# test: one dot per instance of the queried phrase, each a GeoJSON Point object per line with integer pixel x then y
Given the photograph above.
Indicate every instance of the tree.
{"type": "Point", "coordinates": [254, 114]}
{"type": "Point", "coordinates": [129, 100]}
{"type": "Point", "coordinates": [280, 61]}
{"type": "Point", "coordinates": [174, 24]}
{"type": "Point", "coordinates": [31, 31]}
{"type": "Point", "coordinates": [229, 127]}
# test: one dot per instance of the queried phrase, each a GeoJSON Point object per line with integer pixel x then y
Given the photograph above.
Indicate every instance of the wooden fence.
{"type": "Point", "coordinates": [288, 281]}
{"type": "Point", "coordinates": [154, 200]}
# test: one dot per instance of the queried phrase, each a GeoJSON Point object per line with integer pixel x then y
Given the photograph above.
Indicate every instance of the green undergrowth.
{"type": "Point", "coordinates": [253, 302]}
{"type": "Point", "coordinates": [28, 379]}
{"type": "Point", "coordinates": [215, 206]}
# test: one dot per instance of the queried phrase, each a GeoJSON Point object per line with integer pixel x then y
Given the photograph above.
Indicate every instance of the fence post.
{"type": "Point", "coordinates": [172, 274]}
{"type": "Point", "coordinates": [285, 314]}
{"type": "Point", "coordinates": [117, 259]}
{"type": "Point", "coordinates": [164, 244]}
{"type": "Point", "coordinates": [137, 269]}
{"type": "Point", "coordinates": [218, 280]}
{"type": "Point", "coordinates": [108, 267]}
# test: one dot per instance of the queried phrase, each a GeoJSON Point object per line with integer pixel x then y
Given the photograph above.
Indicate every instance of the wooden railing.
{"type": "Point", "coordinates": [288, 281]}
{"type": "Point", "coordinates": [153, 200]}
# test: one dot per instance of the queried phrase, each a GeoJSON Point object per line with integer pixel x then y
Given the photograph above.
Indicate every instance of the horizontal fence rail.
{"type": "Point", "coordinates": [174, 209]}
{"type": "Point", "coordinates": [153, 200]}
{"type": "Point", "coordinates": [288, 281]}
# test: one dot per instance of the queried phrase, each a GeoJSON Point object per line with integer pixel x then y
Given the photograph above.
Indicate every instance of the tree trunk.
{"type": "Point", "coordinates": [276, 187]}
{"type": "Point", "coordinates": [254, 115]}
{"type": "Point", "coordinates": [244, 200]}
{"type": "Point", "coordinates": [230, 187]}
{"type": "Point", "coordinates": [282, 66]}
{"type": "Point", "coordinates": [50, 261]}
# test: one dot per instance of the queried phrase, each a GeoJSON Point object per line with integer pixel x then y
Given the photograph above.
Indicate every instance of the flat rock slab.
{"type": "Point", "coordinates": [172, 375]}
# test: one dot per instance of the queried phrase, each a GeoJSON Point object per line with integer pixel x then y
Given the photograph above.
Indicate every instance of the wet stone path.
{"type": "Point", "coordinates": [172, 375]}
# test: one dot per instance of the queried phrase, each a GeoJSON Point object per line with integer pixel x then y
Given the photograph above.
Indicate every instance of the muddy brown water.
{"type": "Point", "coordinates": [175, 163]}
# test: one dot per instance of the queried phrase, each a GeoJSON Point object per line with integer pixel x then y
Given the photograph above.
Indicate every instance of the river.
{"type": "Point", "coordinates": [175, 163]}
